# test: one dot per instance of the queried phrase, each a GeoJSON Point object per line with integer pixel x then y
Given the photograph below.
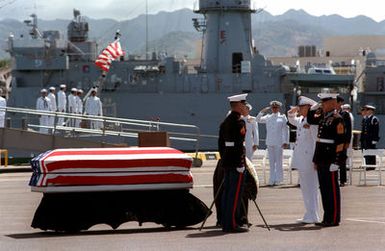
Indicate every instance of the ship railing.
{"type": "Point", "coordinates": [110, 126]}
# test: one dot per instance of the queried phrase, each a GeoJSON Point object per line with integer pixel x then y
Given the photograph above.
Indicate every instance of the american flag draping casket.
{"type": "Point", "coordinates": [111, 169]}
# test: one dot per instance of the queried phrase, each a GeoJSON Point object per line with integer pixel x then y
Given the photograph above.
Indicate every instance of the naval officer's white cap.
{"type": "Point", "coordinates": [302, 100]}
{"type": "Point", "coordinates": [370, 107]}
{"type": "Point", "coordinates": [62, 86]}
{"type": "Point", "coordinates": [80, 91]}
{"type": "Point", "coordinates": [52, 88]}
{"type": "Point", "coordinates": [249, 106]}
{"type": "Point", "coordinates": [327, 96]}
{"type": "Point", "coordinates": [43, 91]}
{"type": "Point", "coordinates": [237, 98]}
{"type": "Point", "coordinates": [275, 103]}
{"type": "Point", "coordinates": [74, 90]}
{"type": "Point", "coordinates": [346, 106]}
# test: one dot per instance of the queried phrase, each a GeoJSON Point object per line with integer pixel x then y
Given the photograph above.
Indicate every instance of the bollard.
{"type": "Point", "coordinates": [24, 124]}
{"type": "Point", "coordinates": [8, 122]}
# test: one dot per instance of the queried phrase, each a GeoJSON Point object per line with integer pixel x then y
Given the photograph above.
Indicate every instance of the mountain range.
{"type": "Point", "coordinates": [174, 33]}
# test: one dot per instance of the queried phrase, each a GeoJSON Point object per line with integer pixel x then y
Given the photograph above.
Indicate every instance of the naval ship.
{"type": "Point", "coordinates": [163, 88]}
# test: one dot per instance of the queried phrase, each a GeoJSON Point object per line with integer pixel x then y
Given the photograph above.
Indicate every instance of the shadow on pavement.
{"type": "Point", "coordinates": [205, 234]}
{"type": "Point", "coordinates": [50, 234]}
{"type": "Point", "coordinates": [292, 227]}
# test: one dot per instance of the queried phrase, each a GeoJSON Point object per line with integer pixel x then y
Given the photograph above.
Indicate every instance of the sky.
{"type": "Point", "coordinates": [127, 9]}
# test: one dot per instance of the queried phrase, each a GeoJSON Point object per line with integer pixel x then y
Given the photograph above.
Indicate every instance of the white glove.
{"type": "Point", "coordinates": [240, 169]}
{"type": "Point", "coordinates": [333, 167]}
{"type": "Point", "coordinates": [315, 107]}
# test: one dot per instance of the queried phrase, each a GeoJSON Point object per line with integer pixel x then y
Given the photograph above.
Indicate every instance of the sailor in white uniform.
{"type": "Point", "coordinates": [53, 108]}
{"type": "Point", "coordinates": [72, 107]}
{"type": "Point", "coordinates": [43, 104]}
{"type": "Point", "coordinates": [61, 103]}
{"type": "Point", "coordinates": [303, 158]}
{"type": "Point", "coordinates": [93, 106]}
{"type": "Point", "coordinates": [277, 138]}
{"type": "Point", "coordinates": [3, 104]}
{"type": "Point", "coordinates": [79, 105]}
{"type": "Point", "coordinates": [252, 136]}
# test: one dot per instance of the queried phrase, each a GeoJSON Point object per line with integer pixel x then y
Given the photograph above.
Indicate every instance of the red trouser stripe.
{"type": "Point", "coordinates": [236, 200]}
{"type": "Point", "coordinates": [334, 198]}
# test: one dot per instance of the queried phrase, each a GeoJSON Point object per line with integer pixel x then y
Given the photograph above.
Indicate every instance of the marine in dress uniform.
{"type": "Point", "coordinates": [303, 158]}
{"type": "Point", "coordinates": [348, 136]}
{"type": "Point", "coordinates": [329, 146]}
{"type": "Point", "coordinates": [231, 147]}
{"type": "Point", "coordinates": [370, 132]}
{"type": "Point", "coordinates": [277, 138]}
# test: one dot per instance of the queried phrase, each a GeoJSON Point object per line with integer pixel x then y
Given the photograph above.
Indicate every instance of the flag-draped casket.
{"type": "Point", "coordinates": [84, 187]}
{"type": "Point", "coordinates": [111, 169]}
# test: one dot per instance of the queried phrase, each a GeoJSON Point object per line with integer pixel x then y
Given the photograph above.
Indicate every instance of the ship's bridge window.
{"type": "Point", "coordinates": [237, 59]}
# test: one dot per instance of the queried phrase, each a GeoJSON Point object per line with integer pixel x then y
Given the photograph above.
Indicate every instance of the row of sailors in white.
{"type": "Point", "coordinates": [93, 106]}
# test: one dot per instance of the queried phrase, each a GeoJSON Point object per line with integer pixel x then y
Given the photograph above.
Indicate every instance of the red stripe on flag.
{"type": "Point", "coordinates": [118, 180]}
{"type": "Point", "coordinates": [104, 164]}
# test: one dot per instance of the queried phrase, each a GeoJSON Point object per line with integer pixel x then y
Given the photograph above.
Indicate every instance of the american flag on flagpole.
{"type": "Point", "coordinates": [110, 53]}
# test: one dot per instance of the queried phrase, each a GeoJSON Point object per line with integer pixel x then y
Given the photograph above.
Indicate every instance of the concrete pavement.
{"type": "Point", "coordinates": [362, 226]}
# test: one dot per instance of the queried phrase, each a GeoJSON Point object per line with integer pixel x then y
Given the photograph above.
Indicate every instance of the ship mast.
{"type": "Point", "coordinates": [146, 29]}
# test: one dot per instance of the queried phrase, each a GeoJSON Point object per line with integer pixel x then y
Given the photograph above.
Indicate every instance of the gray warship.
{"type": "Point", "coordinates": [163, 88]}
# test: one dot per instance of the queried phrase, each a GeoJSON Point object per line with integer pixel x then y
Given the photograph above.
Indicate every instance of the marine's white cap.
{"type": "Point", "coordinates": [63, 86]}
{"type": "Point", "coordinates": [74, 90]}
{"type": "Point", "coordinates": [43, 91]}
{"type": "Point", "coordinates": [52, 88]}
{"type": "Point", "coordinates": [346, 106]}
{"type": "Point", "coordinates": [302, 100]}
{"type": "Point", "coordinates": [327, 96]}
{"type": "Point", "coordinates": [275, 103]}
{"type": "Point", "coordinates": [237, 98]}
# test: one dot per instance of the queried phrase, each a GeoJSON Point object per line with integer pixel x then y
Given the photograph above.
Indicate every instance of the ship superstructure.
{"type": "Point", "coordinates": [159, 88]}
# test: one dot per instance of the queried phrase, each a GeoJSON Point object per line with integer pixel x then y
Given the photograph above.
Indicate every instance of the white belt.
{"type": "Point", "coordinates": [228, 143]}
{"type": "Point", "coordinates": [327, 141]}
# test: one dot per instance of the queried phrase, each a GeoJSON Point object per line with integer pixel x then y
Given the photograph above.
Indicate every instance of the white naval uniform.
{"type": "Point", "coordinates": [93, 106]}
{"type": "Point", "coordinates": [3, 104]}
{"type": "Point", "coordinates": [277, 134]}
{"type": "Point", "coordinates": [79, 108]}
{"type": "Point", "coordinates": [43, 104]}
{"type": "Point", "coordinates": [53, 108]}
{"type": "Point", "coordinates": [61, 105]}
{"type": "Point", "coordinates": [72, 108]}
{"type": "Point", "coordinates": [252, 136]}
{"type": "Point", "coordinates": [303, 160]}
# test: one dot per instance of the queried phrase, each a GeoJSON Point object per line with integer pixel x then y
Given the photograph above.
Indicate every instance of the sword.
{"type": "Point", "coordinates": [211, 206]}
{"type": "Point", "coordinates": [260, 213]}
